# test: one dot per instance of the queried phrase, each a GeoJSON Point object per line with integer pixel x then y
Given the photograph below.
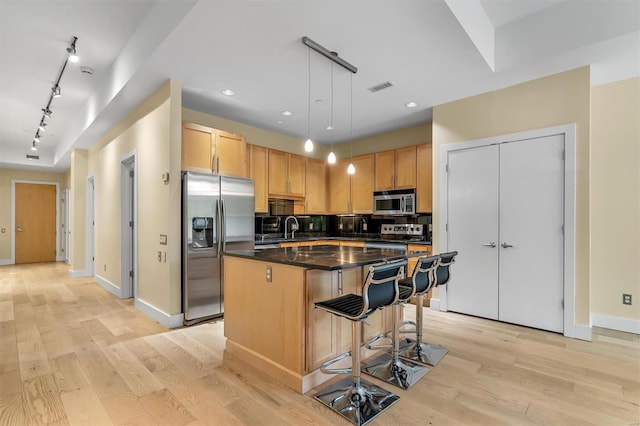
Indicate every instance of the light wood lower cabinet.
{"type": "Point", "coordinates": [329, 335]}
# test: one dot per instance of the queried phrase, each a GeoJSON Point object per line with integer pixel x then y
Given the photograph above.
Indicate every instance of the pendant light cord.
{"type": "Point", "coordinates": [309, 93]}
{"type": "Point", "coordinates": [332, 129]}
{"type": "Point", "coordinates": [351, 115]}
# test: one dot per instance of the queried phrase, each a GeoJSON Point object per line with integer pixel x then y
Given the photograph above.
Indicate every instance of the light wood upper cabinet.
{"type": "Point", "coordinates": [286, 174]}
{"type": "Point", "coordinates": [210, 150]}
{"type": "Point", "coordinates": [258, 171]}
{"type": "Point", "coordinates": [196, 148]}
{"type": "Point", "coordinates": [395, 169]}
{"type": "Point", "coordinates": [315, 192]}
{"type": "Point", "coordinates": [351, 193]}
{"type": "Point", "coordinates": [385, 170]}
{"type": "Point", "coordinates": [339, 187]}
{"type": "Point", "coordinates": [362, 184]}
{"type": "Point", "coordinates": [229, 154]}
{"type": "Point", "coordinates": [424, 178]}
{"type": "Point", "coordinates": [405, 167]}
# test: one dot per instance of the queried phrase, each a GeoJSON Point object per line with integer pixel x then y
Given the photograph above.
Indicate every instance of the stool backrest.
{"type": "Point", "coordinates": [380, 288]}
{"type": "Point", "coordinates": [424, 274]}
{"type": "Point", "coordinates": [442, 273]}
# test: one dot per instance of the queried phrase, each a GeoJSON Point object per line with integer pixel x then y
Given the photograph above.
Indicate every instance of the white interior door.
{"type": "Point", "coordinates": [531, 240]}
{"type": "Point", "coordinates": [473, 230]}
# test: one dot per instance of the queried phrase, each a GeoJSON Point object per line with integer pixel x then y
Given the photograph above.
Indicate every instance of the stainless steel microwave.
{"type": "Point", "coordinates": [398, 202]}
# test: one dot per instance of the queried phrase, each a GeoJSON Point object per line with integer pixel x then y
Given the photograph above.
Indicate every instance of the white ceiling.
{"type": "Point", "coordinates": [423, 47]}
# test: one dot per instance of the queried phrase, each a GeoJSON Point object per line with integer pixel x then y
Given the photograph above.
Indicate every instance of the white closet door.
{"type": "Point", "coordinates": [531, 219]}
{"type": "Point", "coordinates": [473, 227]}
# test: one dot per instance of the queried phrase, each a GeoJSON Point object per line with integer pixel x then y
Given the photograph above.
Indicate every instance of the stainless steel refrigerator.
{"type": "Point", "coordinates": [217, 215]}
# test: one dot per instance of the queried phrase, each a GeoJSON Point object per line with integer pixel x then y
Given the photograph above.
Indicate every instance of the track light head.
{"type": "Point", "coordinates": [47, 112]}
{"type": "Point", "coordinates": [36, 139]}
{"type": "Point", "coordinates": [56, 91]}
{"type": "Point", "coordinates": [34, 147]}
{"type": "Point", "coordinates": [71, 50]}
{"type": "Point", "coordinates": [42, 125]}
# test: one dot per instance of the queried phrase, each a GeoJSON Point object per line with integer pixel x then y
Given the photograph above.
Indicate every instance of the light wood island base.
{"type": "Point", "coordinates": [272, 325]}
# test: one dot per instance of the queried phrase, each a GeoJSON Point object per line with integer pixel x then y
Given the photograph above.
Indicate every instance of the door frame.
{"type": "Point", "coordinates": [571, 329]}
{"type": "Point", "coordinates": [64, 222]}
{"type": "Point", "coordinates": [12, 260]}
{"type": "Point", "coordinates": [128, 288]}
{"type": "Point", "coordinates": [90, 237]}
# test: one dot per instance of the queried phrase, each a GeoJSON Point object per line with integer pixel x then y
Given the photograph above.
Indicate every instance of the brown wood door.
{"type": "Point", "coordinates": [35, 223]}
{"type": "Point", "coordinates": [197, 146]}
{"type": "Point", "coordinates": [362, 184]}
{"type": "Point", "coordinates": [231, 153]}
{"type": "Point", "coordinates": [297, 175]}
{"type": "Point", "coordinates": [405, 166]}
{"type": "Point", "coordinates": [316, 193]}
{"type": "Point", "coordinates": [278, 183]}
{"type": "Point", "coordinates": [385, 170]}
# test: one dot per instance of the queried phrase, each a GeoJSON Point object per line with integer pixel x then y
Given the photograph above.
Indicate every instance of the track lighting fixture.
{"type": "Point", "coordinates": [71, 50]}
{"type": "Point", "coordinates": [56, 91]}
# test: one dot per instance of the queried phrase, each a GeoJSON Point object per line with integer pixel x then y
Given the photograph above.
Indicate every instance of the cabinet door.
{"type": "Point", "coordinates": [277, 172]}
{"type": "Point", "coordinates": [424, 178]}
{"type": "Point", "coordinates": [405, 167]}
{"type": "Point", "coordinates": [296, 175]}
{"type": "Point", "coordinates": [362, 184]}
{"type": "Point", "coordinates": [322, 340]}
{"type": "Point", "coordinates": [197, 143]}
{"type": "Point", "coordinates": [384, 170]}
{"type": "Point", "coordinates": [339, 187]}
{"type": "Point", "coordinates": [351, 283]}
{"type": "Point", "coordinates": [259, 173]}
{"type": "Point", "coordinates": [316, 194]}
{"type": "Point", "coordinates": [230, 154]}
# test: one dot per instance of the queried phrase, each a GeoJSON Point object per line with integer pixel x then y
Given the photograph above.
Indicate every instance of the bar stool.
{"type": "Point", "coordinates": [356, 399]}
{"type": "Point", "coordinates": [430, 272]}
{"type": "Point", "coordinates": [388, 366]}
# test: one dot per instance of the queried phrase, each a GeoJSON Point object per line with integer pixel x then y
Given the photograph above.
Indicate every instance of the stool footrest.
{"type": "Point", "coordinates": [325, 367]}
{"type": "Point", "coordinates": [423, 353]}
{"type": "Point", "coordinates": [369, 343]}
{"type": "Point", "coordinates": [410, 331]}
{"type": "Point", "coordinates": [358, 403]}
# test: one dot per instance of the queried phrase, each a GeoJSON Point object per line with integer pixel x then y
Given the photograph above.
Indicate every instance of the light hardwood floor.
{"type": "Point", "coordinates": [71, 353]}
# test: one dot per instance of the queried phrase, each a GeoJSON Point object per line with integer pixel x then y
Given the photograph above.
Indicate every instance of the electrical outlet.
{"type": "Point", "coordinates": [159, 256]}
{"type": "Point", "coordinates": [268, 274]}
{"type": "Point", "coordinates": [626, 299]}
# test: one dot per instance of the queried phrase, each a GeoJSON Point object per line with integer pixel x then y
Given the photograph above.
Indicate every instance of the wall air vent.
{"type": "Point", "coordinates": [33, 157]}
{"type": "Point", "coordinates": [381, 86]}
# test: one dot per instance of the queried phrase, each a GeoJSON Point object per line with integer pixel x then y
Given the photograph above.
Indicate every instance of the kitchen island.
{"type": "Point", "coordinates": [270, 321]}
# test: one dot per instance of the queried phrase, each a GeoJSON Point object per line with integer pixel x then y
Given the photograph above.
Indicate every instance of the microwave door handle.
{"type": "Point", "coordinates": [402, 208]}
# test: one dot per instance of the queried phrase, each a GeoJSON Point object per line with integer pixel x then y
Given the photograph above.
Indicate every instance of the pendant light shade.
{"type": "Point", "coordinates": [308, 145]}
{"type": "Point", "coordinates": [351, 169]}
{"type": "Point", "coordinates": [331, 159]}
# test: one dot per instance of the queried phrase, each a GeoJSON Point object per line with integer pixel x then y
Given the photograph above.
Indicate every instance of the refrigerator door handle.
{"type": "Point", "coordinates": [223, 225]}
{"type": "Point", "coordinates": [218, 228]}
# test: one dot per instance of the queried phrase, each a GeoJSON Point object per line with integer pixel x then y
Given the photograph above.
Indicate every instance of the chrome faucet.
{"type": "Point", "coordinates": [294, 227]}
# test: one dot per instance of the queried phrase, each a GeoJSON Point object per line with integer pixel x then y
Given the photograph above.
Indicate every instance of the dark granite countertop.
{"type": "Point", "coordinates": [365, 239]}
{"type": "Point", "coordinates": [323, 257]}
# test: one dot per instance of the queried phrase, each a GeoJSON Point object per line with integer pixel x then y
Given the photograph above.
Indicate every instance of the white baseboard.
{"type": "Point", "coordinates": [59, 258]}
{"type": "Point", "coordinates": [628, 325]}
{"type": "Point", "coordinates": [79, 273]}
{"type": "Point", "coordinates": [6, 262]}
{"type": "Point", "coordinates": [434, 304]}
{"type": "Point", "coordinates": [109, 286]}
{"type": "Point", "coordinates": [169, 321]}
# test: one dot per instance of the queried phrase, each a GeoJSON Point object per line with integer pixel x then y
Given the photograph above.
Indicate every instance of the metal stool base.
{"type": "Point", "coordinates": [400, 373]}
{"type": "Point", "coordinates": [360, 404]}
{"type": "Point", "coordinates": [423, 353]}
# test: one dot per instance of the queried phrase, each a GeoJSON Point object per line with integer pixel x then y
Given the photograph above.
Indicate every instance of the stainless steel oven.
{"type": "Point", "coordinates": [398, 202]}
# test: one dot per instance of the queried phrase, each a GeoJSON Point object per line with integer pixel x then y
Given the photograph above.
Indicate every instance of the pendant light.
{"type": "Point", "coordinates": [331, 158]}
{"type": "Point", "coordinates": [351, 169]}
{"type": "Point", "coordinates": [308, 145]}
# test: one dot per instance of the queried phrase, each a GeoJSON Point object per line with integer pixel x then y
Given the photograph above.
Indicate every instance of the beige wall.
{"type": "Point", "coordinates": [78, 211]}
{"type": "Point", "coordinates": [6, 176]}
{"type": "Point", "coordinates": [615, 198]}
{"type": "Point", "coordinates": [414, 135]}
{"type": "Point", "coordinates": [153, 131]}
{"type": "Point", "coordinates": [558, 99]}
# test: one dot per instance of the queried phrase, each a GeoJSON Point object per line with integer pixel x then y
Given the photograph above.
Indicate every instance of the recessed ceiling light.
{"type": "Point", "coordinates": [287, 113]}
{"type": "Point", "coordinates": [280, 122]}
{"type": "Point", "coordinates": [411, 104]}
{"type": "Point", "coordinates": [228, 92]}
{"type": "Point", "coordinates": [329, 127]}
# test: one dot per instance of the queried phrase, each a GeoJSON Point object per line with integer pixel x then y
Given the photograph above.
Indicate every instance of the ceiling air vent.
{"type": "Point", "coordinates": [33, 157]}
{"type": "Point", "coordinates": [381, 86]}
